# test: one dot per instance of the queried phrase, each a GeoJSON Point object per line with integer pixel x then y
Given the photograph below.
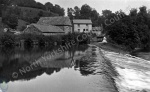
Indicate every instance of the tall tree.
{"type": "Point", "coordinates": [10, 17]}
{"type": "Point", "coordinates": [94, 17]}
{"type": "Point", "coordinates": [77, 12]}
{"type": "Point", "coordinates": [49, 6]}
{"type": "Point", "coordinates": [85, 11]}
{"type": "Point", "coordinates": [70, 12]}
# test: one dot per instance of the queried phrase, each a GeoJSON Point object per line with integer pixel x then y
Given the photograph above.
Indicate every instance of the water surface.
{"type": "Point", "coordinates": [75, 70]}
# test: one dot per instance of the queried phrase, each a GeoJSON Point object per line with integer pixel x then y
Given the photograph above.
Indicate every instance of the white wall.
{"type": "Point", "coordinates": [82, 27]}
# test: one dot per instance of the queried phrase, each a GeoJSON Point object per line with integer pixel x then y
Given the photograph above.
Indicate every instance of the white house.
{"type": "Point", "coordinates": [82, 25]}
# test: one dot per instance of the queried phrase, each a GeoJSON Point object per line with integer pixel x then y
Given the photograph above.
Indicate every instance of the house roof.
{"type": "Point", "coordinates": [82, 21]}
{"type": "Point", "coordinates": [49, 28]}
{"type": "Point", "coordinates": [60, 20]}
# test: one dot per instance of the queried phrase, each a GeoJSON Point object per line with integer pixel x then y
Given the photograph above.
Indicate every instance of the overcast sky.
{"type": "Point", "coordinates": [99, 5]}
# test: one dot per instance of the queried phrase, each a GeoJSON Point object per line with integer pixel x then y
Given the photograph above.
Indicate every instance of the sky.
{"type": "Point", "coordinates": [99, 5]}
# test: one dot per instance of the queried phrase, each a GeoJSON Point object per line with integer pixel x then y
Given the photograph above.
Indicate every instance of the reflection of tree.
{"type": "Point", "coordinates": [8, 69]}
{"type": "Point", "coordinates": [50, 71]}
{"type": "Point", "coordinates": [15, 59]}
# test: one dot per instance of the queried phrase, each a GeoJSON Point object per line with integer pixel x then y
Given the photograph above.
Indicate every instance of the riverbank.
{"type": "Point", "coordinates": [112, 48]}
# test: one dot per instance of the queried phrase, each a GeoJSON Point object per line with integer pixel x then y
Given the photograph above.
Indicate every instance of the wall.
{"type": "Point", "coordinates": [82, 27]}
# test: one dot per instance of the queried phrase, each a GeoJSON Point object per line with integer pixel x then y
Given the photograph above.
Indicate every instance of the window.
{"type": "Point", "coordinates": [87, 30]}
{"type": "Point", "coordinates": [78, 25]}
{"type": "Point", "coordinates": [83, 30]}
{"type": "Point", "coordinates": [78, 30]}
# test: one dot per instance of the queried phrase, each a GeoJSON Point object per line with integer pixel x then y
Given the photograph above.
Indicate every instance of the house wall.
{"type": "Point", "coordinates": [82, 27]}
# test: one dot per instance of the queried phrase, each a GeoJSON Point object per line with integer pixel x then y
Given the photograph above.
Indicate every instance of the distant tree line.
{"type": "Point", "coordinates": [85, 12]}
{"type": "Point", "coordinates": [128, 30]}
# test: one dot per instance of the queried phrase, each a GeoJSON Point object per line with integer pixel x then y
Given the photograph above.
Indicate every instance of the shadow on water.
{"type": "Point", "coordinates": [12, 60]}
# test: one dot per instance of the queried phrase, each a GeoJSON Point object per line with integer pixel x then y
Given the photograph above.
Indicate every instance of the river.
{"type": "Point", "coordinates": [79, 69]}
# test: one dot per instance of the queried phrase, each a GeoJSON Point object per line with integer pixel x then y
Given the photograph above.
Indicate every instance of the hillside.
{"type": "Point", "coordinates": [21, 24]}
{"type": "Point", "coordinates": [33, 12]}
{"type": "Point", "coordinates": [26, 15]}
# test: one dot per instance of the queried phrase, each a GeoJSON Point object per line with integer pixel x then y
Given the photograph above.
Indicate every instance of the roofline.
{"type": "Point", "coordinates": [62, 25]}
{"type": "Point", "coordinates": [82, 23]}
{"type": "Point", "coordinates": [81, 19]}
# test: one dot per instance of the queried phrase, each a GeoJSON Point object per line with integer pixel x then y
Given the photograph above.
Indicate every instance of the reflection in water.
{"type": "Point", "coordinates": [75, 70]}
{"type": "Point", "coordinates": [14, 60]}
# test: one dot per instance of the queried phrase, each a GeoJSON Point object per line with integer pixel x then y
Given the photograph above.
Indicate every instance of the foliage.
{"type": "Point", "coordinates": [85, 12]}
{"type": "Point", "coordinates": [48, 8]}
{"type": "Point", "coordinates": [10, 17]}
{"type": "Point", "coordinates": [132, 31]}
{"type": "Point", "coordinates": [7, 40]}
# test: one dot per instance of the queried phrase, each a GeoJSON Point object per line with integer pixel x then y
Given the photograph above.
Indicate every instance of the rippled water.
{"type": "Point", "coordinates": [134, 72]}
{"type": "Point", "coordinates": [79, 69]}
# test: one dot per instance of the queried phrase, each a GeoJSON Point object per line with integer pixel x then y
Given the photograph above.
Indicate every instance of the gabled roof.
{"type": "Point", "coordinates": [48, 29]}
{"type": "Point", "coordinates": [60, 20]}
{"type": "Point", "coordinates": [82, 21]}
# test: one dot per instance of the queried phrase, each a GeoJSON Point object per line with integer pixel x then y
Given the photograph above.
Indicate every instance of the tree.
{"type": "Point", "coordinates": [133, 12]}
{"type": "Point", "coordinates": [70, 12]}
{"type": "Point", "coordinates": [94, 17]}
{"type": "Point", "coordinates": [49, 6]}
{"type": "Point", "coordinates": [10, 17]}
{"type": "Point", "coordinates": [59, 10]}
{"type": "Point", "coordinates": [11, 20]}
{"type": "Point", "coordinates": [85, 11]}
{"type": "Point", "coordinates": [77, 12]}
{"type": "Point", "coordinates": [106, 13]}
{"type": "Point", "coordinates": [40, 6]}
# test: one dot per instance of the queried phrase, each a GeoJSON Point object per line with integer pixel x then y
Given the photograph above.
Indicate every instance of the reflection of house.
{"type": "Point", "coordinates": [63, 23]}
{"type": "Point", "coordinates": [82, 25]}
{"type": "Point", "coordinates": [43, 29]}
{"type": "Point", "coordinates": [97, 31]}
